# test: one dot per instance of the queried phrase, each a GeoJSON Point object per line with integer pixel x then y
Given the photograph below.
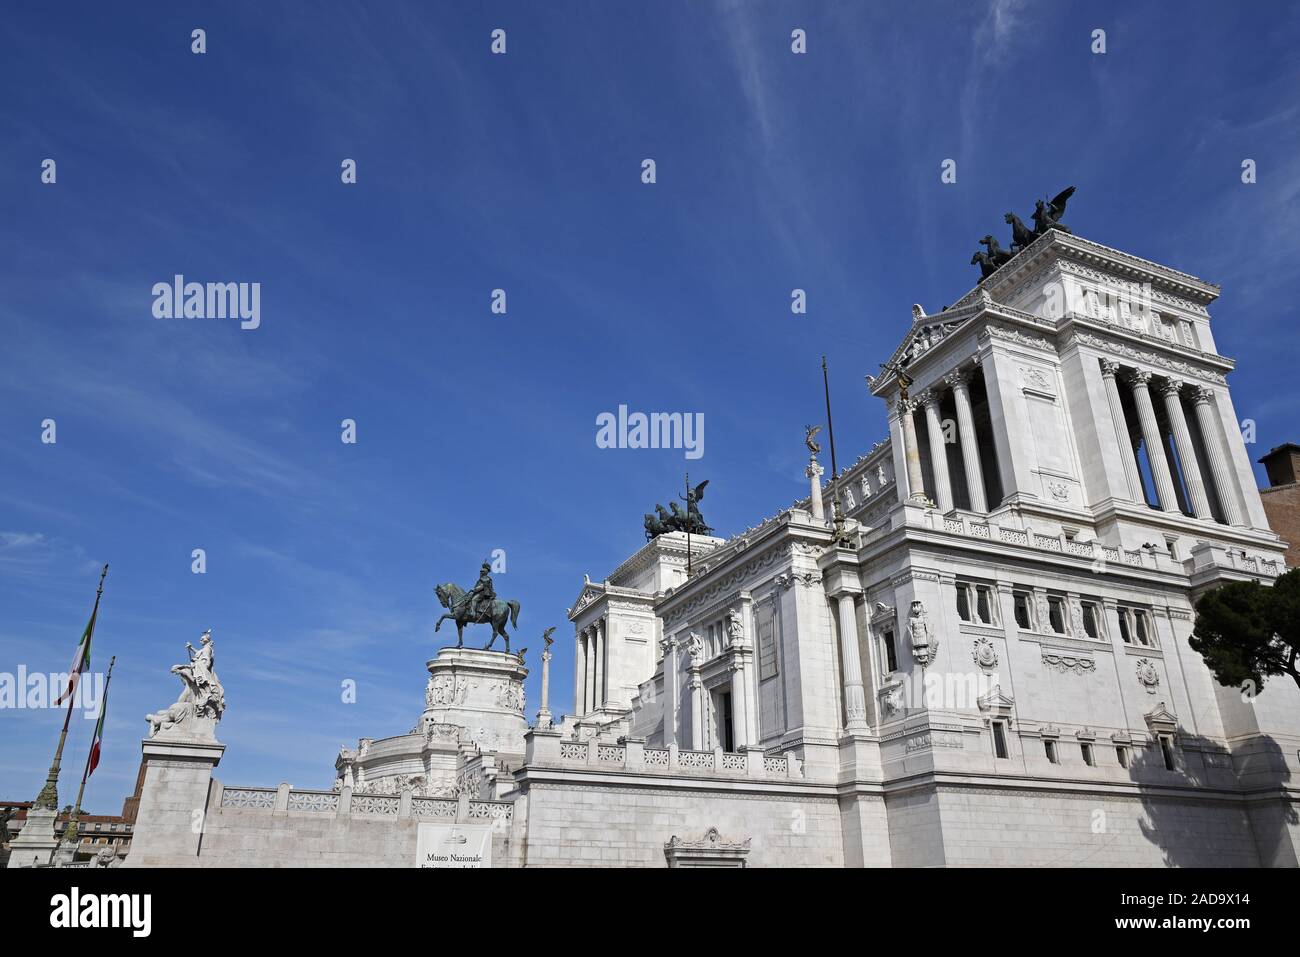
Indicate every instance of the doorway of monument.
{"type": "Point", "coordinates": [721, 726]}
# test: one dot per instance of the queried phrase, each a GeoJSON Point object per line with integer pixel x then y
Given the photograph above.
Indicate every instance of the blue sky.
{"type": "Point", "coordinates": [522, 172]}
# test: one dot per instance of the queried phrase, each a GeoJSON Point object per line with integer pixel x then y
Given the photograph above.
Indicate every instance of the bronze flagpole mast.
{"type": "Point", "coordinates": [688, 524]}
{"type": "Point", "coordinates": [830, 425]}
{"type": "Point", "coordinates": [70, 831]}
{"type": "Point", "coordinates": [49, 796]}
{"type": "Point", "coordinates": [839, 534]}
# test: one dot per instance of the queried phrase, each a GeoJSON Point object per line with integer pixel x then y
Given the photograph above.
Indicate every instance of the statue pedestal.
{"type": "Point", "coordinates": [480, 691]}
{"type": "Point", "coordinates": [173, 800]}
{"type": "Point", "coordinates": [35, 843]}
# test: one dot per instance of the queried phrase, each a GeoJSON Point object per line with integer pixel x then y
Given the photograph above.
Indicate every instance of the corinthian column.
{"type": "Point", "coordinates": [580, 673]}
{"type": "Point", "coordinates": [1186, 452]}
{"type": "Point", "coordinates": [970, 453]}
{"type": "Point", "coordinates": [938, 454]}
{"type": "Point", "coordinates": [911, 454]}
{"type": "Point", "coordinates": [1122, 437]}
{"type": "Point", "coordinates": [1152, 440]}
{"type": "Point", "coordinates": [855, 700]}
{"type": "Point", "coordinates": [593, 654]}
{"type": "Point", "coordinates": [603, 663]}
{"type": "Point", "coordinates": [671, 694]}
{"type": "Point", "coordinates": [1213, 440]}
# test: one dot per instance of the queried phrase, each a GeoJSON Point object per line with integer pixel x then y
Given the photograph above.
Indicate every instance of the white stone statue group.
{"type": "Point", "coordinates": [202, 700]}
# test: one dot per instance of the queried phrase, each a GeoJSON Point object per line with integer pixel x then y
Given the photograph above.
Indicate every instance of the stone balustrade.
{"type": "Point", "coordinates": [977, 527]}
{"type": "Point", "coordinates": [347, 803]}
{"type": "Point", "coordinates": [546, 748]}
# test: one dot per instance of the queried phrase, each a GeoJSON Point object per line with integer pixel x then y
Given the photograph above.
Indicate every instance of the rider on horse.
{"type": "Point", "coordinates": [482, 593]}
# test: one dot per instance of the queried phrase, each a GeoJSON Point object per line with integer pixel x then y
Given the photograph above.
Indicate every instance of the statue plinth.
{"type": "Point", "coordinates": [35, 843]}
{"type": "Point", "coordinates": [480, 691]}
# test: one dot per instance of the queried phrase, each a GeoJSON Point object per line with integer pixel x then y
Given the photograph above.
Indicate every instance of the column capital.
{"type": "Point", "coordinates": [1139, 378]}
{"type": "Point", "coordinates": [958, 379]}
{"type": "Point", "coordinates": [1202, 396]}
{"type": "Point", "coordinates": [669, 643]}
{"type": "Point", "coordinates": [840, 581]}
{"type": "Point", "coordinates": [1109, 368]}
{"type": "Point", "coordinates": [814, 469]}
{"type": "Point", "coordinates": [1171, 387]}
{"type": "Point", "coordinates": [929, 398]}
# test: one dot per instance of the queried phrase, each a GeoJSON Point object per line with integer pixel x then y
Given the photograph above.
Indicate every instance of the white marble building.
{"type": "Point", "coordinates": [992, 666]}
{"type": "Point", "coordinates": [985, 661]}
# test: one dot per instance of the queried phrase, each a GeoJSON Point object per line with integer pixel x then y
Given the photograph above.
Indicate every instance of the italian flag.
{"type": "Point", "coordinates": [81, 661]}
{"type": "Point", "coordinates": [97, 740]}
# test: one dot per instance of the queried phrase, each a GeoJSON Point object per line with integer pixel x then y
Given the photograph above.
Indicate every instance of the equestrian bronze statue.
{"type": "Point", "coordinates": [478, 606]}
{"type": "Point", "coordinates": [678, 521]}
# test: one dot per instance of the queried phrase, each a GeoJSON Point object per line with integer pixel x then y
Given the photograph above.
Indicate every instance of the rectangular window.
{"type": "Point", "coordinates": [1125, 627]}
{"type": "Point", "coordinates": [1021, 600]}
{"type": "Point", "coordinates": [1121, 753]}
{"type": "Point", "coordinates": [1049, 747]}
{"type": "Point", "coordinates": [999, 740]}
{"type": "Point", "coordinates": [891, 656]}
{"type": "Point", "coordinates": [1090, 618]}
{"type": "Point", "coordinates": [975, 603]}
{"type": "Point", "coordinates": [1143, 633]}
{"type": "Point", "coordinates": [1167, 751]}
{"type": "Point", "coordinates": [963, 601]}
{"type": "Point", "coordinates": [766, 644]}
{"type": "Point", "coordinates": [1086, 750]}
{"type": "Point", "coordinates": [1056, 613]}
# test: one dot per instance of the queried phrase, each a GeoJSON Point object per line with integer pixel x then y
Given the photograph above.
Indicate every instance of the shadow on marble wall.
{"type": "Point", "coordinates": [1169, 822]}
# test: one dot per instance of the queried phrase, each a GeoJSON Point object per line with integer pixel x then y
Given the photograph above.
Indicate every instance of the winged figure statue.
{"type": "Point", "coordinates": [1047, 214]}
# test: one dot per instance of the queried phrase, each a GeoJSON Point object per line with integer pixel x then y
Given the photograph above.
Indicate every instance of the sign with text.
{"type": "Point", "coordinates": [453, 845]}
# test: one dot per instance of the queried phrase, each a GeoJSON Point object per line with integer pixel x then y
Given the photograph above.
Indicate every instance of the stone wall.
{"type": "Point", "coordinates": [576, 821]}
{"type": "Point", "coordinates": [283, 827]}
{"type": "Point", "coordinates": [1002, 827]}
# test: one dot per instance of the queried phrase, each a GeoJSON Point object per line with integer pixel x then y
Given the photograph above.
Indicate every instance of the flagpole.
{"type": "Point", "coordinates": [49, 796]}
{"type": "Point", "coordinates": [688, 525]}
{"type": "Point", "coordinates": [70, 831]}
{"type": "Point", "coordinates": [830, 425]}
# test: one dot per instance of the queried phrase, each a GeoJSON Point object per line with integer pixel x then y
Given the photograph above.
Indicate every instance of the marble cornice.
{"type": "Point", "coordinates": [717, 585]}
{"type": "Point", "coordinates": [1056, 244]}
{"type": "Point", "coordinates": [664, 546]}
{"type": "Point", "coordinates": [1165, 354]}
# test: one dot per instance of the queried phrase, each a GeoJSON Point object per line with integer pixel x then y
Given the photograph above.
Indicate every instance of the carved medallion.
{"type": "Point", "coordinates": [1148, 675]}
{"type": "Point", "coordinates": [984, 653]}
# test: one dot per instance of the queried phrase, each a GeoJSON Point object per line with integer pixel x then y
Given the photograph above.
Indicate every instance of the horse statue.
{"type": "Point", "coordinates": [997, 255]}
{"type": "Point", "coordinates": [690, 520]}
{"type": "Point", "coordinates": [987, 266]}
{"type": "Point", "coordinates": [494, 613]}
{"type": "Point", "coordinates": [1021, 235]}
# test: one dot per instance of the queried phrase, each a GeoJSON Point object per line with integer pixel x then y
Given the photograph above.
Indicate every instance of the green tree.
{"type": "Point", "coordinates": [1246, 631]}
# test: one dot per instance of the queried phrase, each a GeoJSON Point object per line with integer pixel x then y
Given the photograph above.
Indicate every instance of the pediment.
{"type": "Point", "coordinates": [589, 595]}
{"type": "Point", "coordinates": [996, 701]}
{"type": "Point", "coordinates": [926, 333]}
{"type": "Point", "coordinates": [1160, 718]}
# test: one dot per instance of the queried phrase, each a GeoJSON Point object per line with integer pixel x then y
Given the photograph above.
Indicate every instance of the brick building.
{"type": "Point", "coordinates": [1282, 497]}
